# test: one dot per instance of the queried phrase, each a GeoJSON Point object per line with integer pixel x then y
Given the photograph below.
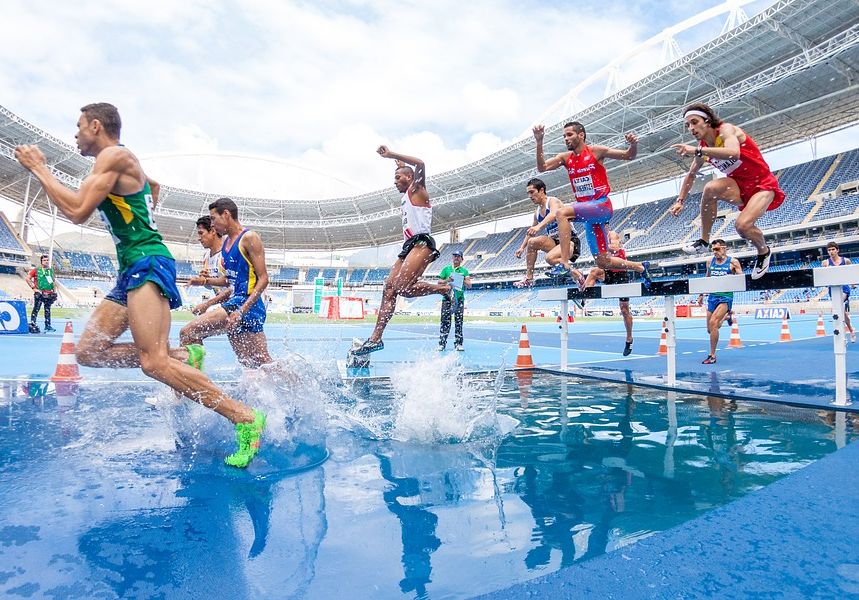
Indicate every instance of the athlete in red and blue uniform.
{"type": "Point", "coordinates": [592, 207]}
{"type": "Point", "coordinates": [748, 182]}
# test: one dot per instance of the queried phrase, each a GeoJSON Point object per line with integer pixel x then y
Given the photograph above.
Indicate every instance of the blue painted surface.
{"type": "Point", "coordinates": [410, 504]}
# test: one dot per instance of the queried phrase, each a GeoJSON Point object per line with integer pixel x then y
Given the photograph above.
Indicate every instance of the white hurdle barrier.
{"type": "Point", "coordinates": [832, 277]}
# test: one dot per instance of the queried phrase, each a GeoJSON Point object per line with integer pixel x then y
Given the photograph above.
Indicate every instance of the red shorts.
{"type": "Point", "coordinates": [765, 184]}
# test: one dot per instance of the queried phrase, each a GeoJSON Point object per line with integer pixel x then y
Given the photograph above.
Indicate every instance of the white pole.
{"type": "Point", "coordinates": [671, 340]}
{"type": "Point", "coordinates": [670, 436]}
{"type": "Point", "coordinates": [840, 429]}
{"type": "Point", "coordinates": [839, 341]}
{"type": "Point", "coordinates": [565, 332]}
{"type": "Point", "coordinates": [51, 241]}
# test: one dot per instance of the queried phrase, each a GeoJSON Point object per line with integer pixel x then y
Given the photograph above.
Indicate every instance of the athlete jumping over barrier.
{"type": "Point", "coordinates": [748, 183]}
{"type": "Point", "coordinates": [593, 207]}
{"type": "Point", "coordinates": [545, 218]}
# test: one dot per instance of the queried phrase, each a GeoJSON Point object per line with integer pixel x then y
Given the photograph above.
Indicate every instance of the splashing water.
{"type": "Point", "coordinates": [436, 402]}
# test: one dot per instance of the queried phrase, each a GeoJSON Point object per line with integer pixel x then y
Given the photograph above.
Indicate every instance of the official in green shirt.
{"type": "Point", "coordinates": [457, 307]}
{"type": "Point", "coordinates": [41, 279]}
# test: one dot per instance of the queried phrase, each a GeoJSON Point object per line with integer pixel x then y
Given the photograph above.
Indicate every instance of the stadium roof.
{"type": "Point", "coordinates": [785, 75]}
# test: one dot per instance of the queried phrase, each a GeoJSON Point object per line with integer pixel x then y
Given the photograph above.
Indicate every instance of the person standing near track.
{"type": "Point", "coordinates": [748, 183]}
{"type": "Point", "coordinates": [43, 282]}
{"type": "Point", "coordinates": [545, 218]}
{"type": "Point", "coordinates": [242, 314]}
{"type": "Point", "coordinates": [836, 260]}
{"type": "Point", "coordinates": [612, 277]}
{"type": "Point", "coordinates": [450, 274]}
{"type": "Point", "coordinates": [418, 249]}
{"type": "Point", "coordinates": [719, 304]}
{"type": "Point", "coordinates": [146, 285]}
{"type": "Point", "coordinates": [212, 267]}
{"type": "Point", "coordinates": [584, 165]}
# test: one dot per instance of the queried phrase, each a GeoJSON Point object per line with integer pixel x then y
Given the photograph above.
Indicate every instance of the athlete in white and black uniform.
{"type": "Point", "coordinates": [418, 249]}
{"type": "Point", "coordinates": [212, 265]}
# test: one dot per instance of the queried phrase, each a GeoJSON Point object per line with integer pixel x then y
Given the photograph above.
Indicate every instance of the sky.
{"type": "Point", "coordinates": [309, 89]}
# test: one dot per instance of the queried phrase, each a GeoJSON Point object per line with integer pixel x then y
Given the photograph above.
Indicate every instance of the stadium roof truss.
{"type": "Point", "coordinates": [787, 74]}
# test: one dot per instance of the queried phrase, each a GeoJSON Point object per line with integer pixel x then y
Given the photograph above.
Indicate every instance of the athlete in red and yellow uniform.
{"type": "Point", "coordinates": [748, 183]}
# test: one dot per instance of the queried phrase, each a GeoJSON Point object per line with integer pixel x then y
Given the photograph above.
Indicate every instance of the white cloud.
{"type": "Point", "coordinates": [315, 83]}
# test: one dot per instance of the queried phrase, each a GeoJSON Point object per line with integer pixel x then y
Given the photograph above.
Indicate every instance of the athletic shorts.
{"type": "Point", "coordinates": [160, 270]}
{"type": "Point", "coordinates": [575, 246]}
{"type": "Point", "coordinates": [714, 300]}
{"type": "Point", "coordinates": [253, 320]}
{"type": "Point", "coordinates": [765, 184]}
{"type": "Point", "coordinates": [421, 238]}
{"type": "Point", "coordinates": [594, 214]}
{"type": "Point", "coordinates": [617, 277]}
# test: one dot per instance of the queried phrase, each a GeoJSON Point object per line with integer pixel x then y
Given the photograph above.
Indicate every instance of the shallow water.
{"type": "Point", "coordinates": [368, 490]}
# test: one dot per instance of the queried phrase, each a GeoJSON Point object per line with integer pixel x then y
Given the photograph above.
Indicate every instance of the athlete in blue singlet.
{"type": "Point", "coordinates": [719, 304]}
{"type": "Point", "coordinates": [836, 260]}
{"type": "Point", "coordinates": [243, 314]}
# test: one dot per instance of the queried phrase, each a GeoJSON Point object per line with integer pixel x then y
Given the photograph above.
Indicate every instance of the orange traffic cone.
{"type": "Point", "coordinates": [67, 364]}
{"type": "Point", "coordinates": [571, 319]}
{"type": "Point", "coordinates": [735, 341]}
{"type": "Point", "coordinates": [821, 330]}
{"type": "Point", "coordinates": [663, 344]}
{"type": "Point", "coordinates": [785, 332]}
{"type": "Point", "coordinates": [523, 359]}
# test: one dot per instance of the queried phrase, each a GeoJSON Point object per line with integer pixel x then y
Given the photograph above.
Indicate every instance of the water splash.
{"type": "Point", "coordinates": [435, 402]}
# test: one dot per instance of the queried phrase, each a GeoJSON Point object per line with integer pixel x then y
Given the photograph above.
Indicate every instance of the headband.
{"type": "Point", "coordinates": [697, 113]}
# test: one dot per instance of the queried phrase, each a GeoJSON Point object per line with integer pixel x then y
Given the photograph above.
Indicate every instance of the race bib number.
{"type": "Point", "coordinates": [583, 186]}
{"type": "Point", "coordinates": [726, 165]}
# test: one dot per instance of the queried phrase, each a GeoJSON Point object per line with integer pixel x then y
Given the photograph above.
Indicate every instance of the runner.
{"type": "Point", "coordinates": [748, 183]}
{"type": "Point", "coordinates": [545, 218]}
{"type": "Point", "coordinates": [719, 304]}
{"type": "Point", "coordinates": [611, 277]}
{"type": "Point", "coordinates": [418, 249]}
{"type": "Point", "coordinates": [836, 260]}
{"type": "Point", "coordinates": [593, 207]}
{"type": "Point", "coordinates": [241, 314]}
{"type": "Point", "coordinates": [146, 285]}
{"type": "Point", "coordinates": [212, 265]}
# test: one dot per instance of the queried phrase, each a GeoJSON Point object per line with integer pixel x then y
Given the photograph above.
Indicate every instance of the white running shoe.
{"type": "Point", "coordinates": [762, 263]}
{"type": "Point", "coordinates": [696, 247]}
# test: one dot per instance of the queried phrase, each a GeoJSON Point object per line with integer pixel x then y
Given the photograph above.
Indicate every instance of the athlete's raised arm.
{"type": "Point", "coordinates": [543, 164]}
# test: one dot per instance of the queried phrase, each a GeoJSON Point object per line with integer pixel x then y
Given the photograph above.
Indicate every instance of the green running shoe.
{"type": "Point", "coordinates": [196, 355]}
{"type": "Point", "coordinates": [248, 437]}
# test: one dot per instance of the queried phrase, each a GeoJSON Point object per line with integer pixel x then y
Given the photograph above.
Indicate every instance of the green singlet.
{"type": "Point", "coordinates": [132, 225]}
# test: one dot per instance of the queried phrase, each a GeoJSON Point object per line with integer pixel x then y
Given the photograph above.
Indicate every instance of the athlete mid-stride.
{"type": "Point", "coordinates": [146, 285]}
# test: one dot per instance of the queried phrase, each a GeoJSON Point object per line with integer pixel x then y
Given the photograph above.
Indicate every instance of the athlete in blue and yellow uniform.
{"type": "Point", "coordinates": [719, 304]}
{"type": "Point", "coordinates": [242, 315]}
{"type": "Point", "coordinates": [146, 287]}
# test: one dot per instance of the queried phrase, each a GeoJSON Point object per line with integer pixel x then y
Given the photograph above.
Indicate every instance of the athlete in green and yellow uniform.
{"type": "Point", "coordinates": [146, 286]}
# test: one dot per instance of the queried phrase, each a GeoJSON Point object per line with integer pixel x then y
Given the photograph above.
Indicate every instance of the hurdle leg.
{"type": "Point", "coordinates": [839, 339]}
{"type": "Point", "coordinates": [670, 340]}
{"type": "Point", "coordinates": [565, 332]}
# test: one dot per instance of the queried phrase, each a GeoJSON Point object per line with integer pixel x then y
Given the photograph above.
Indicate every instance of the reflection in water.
{"type": "Point", "coordinates": [590, 468]}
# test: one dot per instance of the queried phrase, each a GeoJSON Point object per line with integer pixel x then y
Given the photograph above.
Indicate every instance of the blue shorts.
{"type": "Point", "coordinates": [160, 270]}
{"type": "Point", "coordinates": [253, 320]}
{"type": "Point", "coordinates": [713, 301]}
{"type": "Point", "coordinates": [594, 214]}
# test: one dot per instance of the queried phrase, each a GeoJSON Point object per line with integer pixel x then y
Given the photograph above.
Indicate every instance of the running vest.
{"type": "Point", "coordinates": [416, 219]}
{"type": "Point", "coordinates": [45, 279]}
{"type": "Point", "coordinates": [717, 270]}
{"type": "Point", "coordinates": [213, 263]}
{"type": "Point", "coordinates": [749, 166]}
{"type": "Point", "coordinates": [619, 253]}
{"type": "Point", "coordinates": [551, 228]}
{"type": "Point", "coordinates": [844, 288]}
{"type": "Point", "coordinates": [130, 221]}
{"type": "Point", "coordinates": [587, 175]}
{"type": "Point", "coordinates": [240, 272]}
